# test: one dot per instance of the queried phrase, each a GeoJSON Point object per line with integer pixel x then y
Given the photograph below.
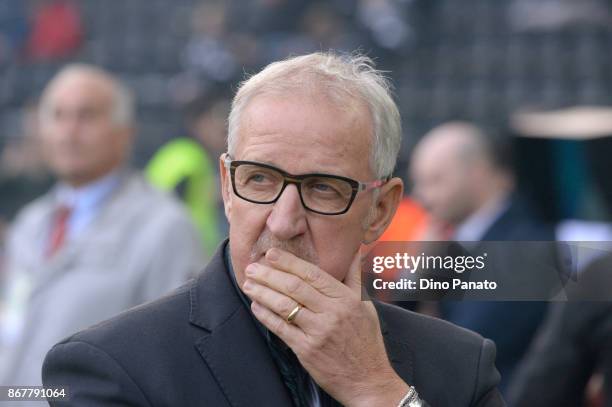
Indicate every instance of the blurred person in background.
{"type": "Point", "coordinates": [463, 178]}
{"type": "Point", "coordinates": [185, 165]}
{"type": "Point", "coordinates": [101, 241]}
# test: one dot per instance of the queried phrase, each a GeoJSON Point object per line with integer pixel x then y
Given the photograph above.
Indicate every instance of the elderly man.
{"type": "Point", "coordinates": [101, 241]}
{"type": "Point", "coordinates": [277, 319]}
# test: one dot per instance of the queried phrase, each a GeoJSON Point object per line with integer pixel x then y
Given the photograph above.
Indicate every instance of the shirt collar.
{"type": "Point", "coordinates": [88, 196]}
{"type": "Point", "coordinates": [476, 225]}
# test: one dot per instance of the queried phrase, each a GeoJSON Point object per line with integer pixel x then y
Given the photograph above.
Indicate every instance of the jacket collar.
{"type": "Point", "coordinates": [213, 298]}
{"type": "Point", "coordinates": [232, 347]}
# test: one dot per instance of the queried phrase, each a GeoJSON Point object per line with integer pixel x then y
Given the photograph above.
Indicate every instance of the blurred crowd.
{"type": "Point", "coordinates": [114, 118]}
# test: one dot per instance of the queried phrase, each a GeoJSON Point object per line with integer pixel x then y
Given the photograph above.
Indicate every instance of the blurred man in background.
{"type": "Point", "coordinates": [464, 179]}
{"type": "Point", "coordinates": [99, 242]}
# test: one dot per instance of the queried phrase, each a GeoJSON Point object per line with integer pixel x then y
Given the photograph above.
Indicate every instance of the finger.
{"type": "Point", "coordinates": [288, 333]}
{"type": "Point", "coordinates": [279, 303]}
{"type": "Point", "coordinates": [353, 277]}
{"type": "Point", "coordinates": [310, 273]}
{"type": "Point", "coordinates": [288, 284]}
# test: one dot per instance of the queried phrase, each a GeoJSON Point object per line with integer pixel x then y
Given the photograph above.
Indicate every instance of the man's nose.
{"type": "Point", "coordinates": [288, 217]}
{"type": "Point", "coordinates": [69, 123]}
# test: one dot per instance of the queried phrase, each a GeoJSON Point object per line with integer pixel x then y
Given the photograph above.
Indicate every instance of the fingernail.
{"type": "Point", "coordinates": [247, 285]}
{"type": "Point", "coordinates": [272, 255]}
{"type": "Point", "coordinates": [251, 269]}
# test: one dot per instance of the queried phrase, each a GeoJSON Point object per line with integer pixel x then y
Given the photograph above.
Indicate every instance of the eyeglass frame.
{"type": "Point", "coordinates": [288, 178]}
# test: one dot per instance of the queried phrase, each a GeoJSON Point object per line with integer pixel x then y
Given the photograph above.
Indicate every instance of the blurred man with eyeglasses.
{"type": "Point", "coordinates": [277, 318]}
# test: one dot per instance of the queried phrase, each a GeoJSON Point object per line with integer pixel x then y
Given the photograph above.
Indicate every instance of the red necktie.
{"type": "Point", "coordinates": [58, 230]}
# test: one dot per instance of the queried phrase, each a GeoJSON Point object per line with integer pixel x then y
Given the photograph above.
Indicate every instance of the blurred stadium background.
{"type": "Point", "coordinates": [479, 60]}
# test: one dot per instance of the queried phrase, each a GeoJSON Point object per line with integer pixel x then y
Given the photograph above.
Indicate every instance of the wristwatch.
{"type": "Point", "coordinates": [411, 399]}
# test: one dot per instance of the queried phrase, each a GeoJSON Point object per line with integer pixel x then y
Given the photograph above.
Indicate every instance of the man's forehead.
{"type": "Point", "coordinates": [314, 116]}
{"type": "Point", "coordinates": [314, 136]}
{"type": "Point", "coordinates": [80, 87]}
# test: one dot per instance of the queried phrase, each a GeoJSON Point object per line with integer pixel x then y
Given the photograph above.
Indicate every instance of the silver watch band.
{"type": "Point", "coordinates": [411, 399]}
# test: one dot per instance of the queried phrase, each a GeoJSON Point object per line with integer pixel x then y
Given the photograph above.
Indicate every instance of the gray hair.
{"type": "Point", "coordinates": [123, 101]}
{"type": "Point", "coordinates": [338, 77]}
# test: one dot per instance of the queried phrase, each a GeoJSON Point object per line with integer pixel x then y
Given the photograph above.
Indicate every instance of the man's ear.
{"type": "Point", "coordinates": [225, 187]}
{"type": "Point", "coordinates": [388, 200]}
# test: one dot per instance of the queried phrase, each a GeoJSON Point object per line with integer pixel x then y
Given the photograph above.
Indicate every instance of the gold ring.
{"type": "Point", "coordinates": [293, 314]}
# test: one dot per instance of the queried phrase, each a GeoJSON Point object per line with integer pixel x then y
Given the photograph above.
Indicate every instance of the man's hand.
{"type": "Point", "coordinates": [336, 336]}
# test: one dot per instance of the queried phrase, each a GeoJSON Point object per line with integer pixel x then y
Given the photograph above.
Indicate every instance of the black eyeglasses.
{"type": "Point", "coordinates": [320, 193]}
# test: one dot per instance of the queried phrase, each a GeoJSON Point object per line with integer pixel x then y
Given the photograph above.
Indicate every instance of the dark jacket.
{"type": "Point", "coordinates": [511, 324]}
{"type": "Point", "coordinates": [200, 347]}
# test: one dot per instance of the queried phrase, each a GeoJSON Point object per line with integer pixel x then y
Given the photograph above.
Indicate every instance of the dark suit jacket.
{"type": "Point", "coordinates": [510, 324]}
{"type": "Point", "coordinates": [518, 223]}
{"type": "Point", "coordinates": [201, 347]}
